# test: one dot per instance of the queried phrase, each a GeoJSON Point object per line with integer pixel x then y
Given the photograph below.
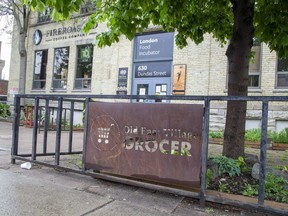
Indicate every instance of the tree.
{"type": "Point", "coordinates": [21, 13]}
{"type": "Point", "coordinates": [236, 21]}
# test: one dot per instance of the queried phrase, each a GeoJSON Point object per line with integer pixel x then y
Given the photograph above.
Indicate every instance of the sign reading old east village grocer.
{"type": "Point", "coordinates": [152, 69]}
{"type": "Point", "coordinates": [154, 46]}
{"type": "Point", "coordinates": [154, 142]}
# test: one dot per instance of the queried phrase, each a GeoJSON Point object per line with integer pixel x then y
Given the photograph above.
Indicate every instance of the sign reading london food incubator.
{"type": "Point", "coordinates": [154, 46]}
{"type": "Point", "coordinates": [154, 142]}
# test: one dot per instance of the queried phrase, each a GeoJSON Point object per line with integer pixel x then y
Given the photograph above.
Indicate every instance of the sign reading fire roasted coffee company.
{"type": "Point", "coordinates": [62, 33]}
{"type": "Point", "coordinates": [153, 142]}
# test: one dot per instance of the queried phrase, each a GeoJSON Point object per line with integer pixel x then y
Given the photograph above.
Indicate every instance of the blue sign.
{"type": "Point", "coordinates": [152, 69]}
{"type": "Point", "coordinates": [154, 46]}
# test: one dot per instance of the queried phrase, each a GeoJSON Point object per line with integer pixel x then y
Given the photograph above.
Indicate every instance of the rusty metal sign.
{"type": "Point", "coordinates": [154, 142]}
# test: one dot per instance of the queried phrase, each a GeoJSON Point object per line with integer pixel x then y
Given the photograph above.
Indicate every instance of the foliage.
{"type": "Point", "coordinates": [283, 168]}
{"type": "Point", "coordinates": [284, 157]}
{"type": "Point", "coordinates": [274, 189]}
{"type": "Point", "coordinates": [189, 18]}
{"type": "Point", "coordinates": [241, 163]}
{"type": "Point", "coordinates": [78, 125]}
{"type": "Point", "coordinates": [281, 137]}
{"type": "Point", "coordinates": [253, 135]}
{"type": "Point", "coordinates": [274, 186]}
{"type": "Point", "coordinates": [209, 176]}
{"type": "Point", "coordinates": [209, 210]}
{"type": "Point", "coordinates": [223, 187]}
{"type": "Point", "coordinates": [250, 190]}
{"type": "Point", "coordinates": [227, 165]}
{"type": "Point", "coordinates": [184, 152]}
{"type": "Point", "coordinates": [5, 110]}
{"type": "Point", "coordinates": [216, 134]}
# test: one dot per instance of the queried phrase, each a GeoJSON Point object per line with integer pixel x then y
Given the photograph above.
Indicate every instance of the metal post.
{"type": "Point", "coordinates": [35, 127]}
{"type": "Point", "coordinates": [39, 125]}
{"type": "Point", "coordinates": [46, 125]}
{"type": "Point", "coordinates": [71, 126]}
{"type": "Point", "coordinates": [85, 133]}
{"type": "Point", "coordinates": [263, 148]}
{"type": "Point", "coordinates": [204, 153]}
{"type": "Point", "coordinates": [64, 122]}
{"type": "Point", "coordinates": [58, 131]}
{"type": "Point", "coordinates": [15, 128]}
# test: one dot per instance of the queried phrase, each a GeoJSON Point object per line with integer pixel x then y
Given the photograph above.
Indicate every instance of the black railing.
{"type": "Point", "coordinates": [63, 101]}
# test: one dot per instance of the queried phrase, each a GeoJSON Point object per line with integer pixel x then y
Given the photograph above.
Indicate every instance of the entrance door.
{"type": "Point", "coordinates": [152, 87]}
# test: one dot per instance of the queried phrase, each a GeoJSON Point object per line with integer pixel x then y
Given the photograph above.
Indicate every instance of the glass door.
{"type": "Point", "coordinates": [161, 89]}
{"type": "Point", "coordinates": [152, 87]}
{"type": "Point", "coordinates": [142, 89]}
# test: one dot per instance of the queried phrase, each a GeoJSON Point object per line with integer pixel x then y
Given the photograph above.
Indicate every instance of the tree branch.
{"type": "Point", "coordinates": [14, 5]}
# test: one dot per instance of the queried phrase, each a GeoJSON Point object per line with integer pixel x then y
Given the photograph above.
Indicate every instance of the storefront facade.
{"type": "Point", "coordinates": [61, 59]}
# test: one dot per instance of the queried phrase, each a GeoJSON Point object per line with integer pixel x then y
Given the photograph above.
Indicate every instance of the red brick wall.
{"type": "Point", "coordinates": [3, 87]}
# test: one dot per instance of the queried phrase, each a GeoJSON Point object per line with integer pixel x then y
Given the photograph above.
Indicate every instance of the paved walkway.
{"type": "Point", "coordinates": [45, 191]}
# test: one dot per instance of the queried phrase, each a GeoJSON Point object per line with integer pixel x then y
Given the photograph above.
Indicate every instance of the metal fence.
{"type": "Point", "coordinates": [71, 100]}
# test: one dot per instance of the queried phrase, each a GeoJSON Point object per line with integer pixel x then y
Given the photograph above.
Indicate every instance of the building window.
{"type": "Point", "coordinates": [87, 7]}
{"type": "Point", "coordinates": [254, 65]}
{"type": "Point", "coordinates": [84, 66]}
{"type": "Point", "coordinates": [40, 65]}
{"type": "Point", "coordinates": [282, 73]}
{"type": "Point", "coordinates": [45, 16]}
{"type": "Point", "coordinates": [60, 71]}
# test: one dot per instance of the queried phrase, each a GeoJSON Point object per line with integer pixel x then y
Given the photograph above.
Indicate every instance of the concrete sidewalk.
{"type": "Point", "coordinates": [45, 191]}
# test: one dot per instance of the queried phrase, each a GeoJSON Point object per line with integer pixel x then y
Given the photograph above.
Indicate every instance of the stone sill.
{"type": "Point", "coordinates": [280, 91]}
{"type": "Point", "coordinates": [38, 90]}
{"type": "Point", "coordinates": [81, 90]}
{"type": "Point", "coordinates": [250, 90]}
{"type": "Point", "coordinates": [58, 90]}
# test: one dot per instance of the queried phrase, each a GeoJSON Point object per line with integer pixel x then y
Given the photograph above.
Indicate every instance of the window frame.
{"type": "Point", "coordinates": [64, 81]}
{"type": "Point", "coordinates": [280, 72]}
{"type": "Point", "coordinates": [83, 79]}
{"type": "Point", "coordinates": [87, 7]}
{"type": "Point", "coordinates": [256, 73]}
{"type": "Point", "coordinates": [44, 17]}
{"type": "Point", "coordinates": [40, 80]}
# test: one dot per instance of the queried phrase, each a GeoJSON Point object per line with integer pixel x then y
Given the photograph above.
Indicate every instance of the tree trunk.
{"type": "Point", "coordinates": [238, 54]}
{"type": "Point", "coordinates": [23, 60]}
{"type": "Point", "coordinates": [22, 24]}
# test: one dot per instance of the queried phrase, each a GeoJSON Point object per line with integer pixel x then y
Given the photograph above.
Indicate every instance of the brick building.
{"type": "Point", "coordinates": [63, 60]}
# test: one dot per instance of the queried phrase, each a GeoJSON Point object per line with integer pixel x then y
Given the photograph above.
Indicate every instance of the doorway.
{"type": "Point", "coordinates": [160, 86]}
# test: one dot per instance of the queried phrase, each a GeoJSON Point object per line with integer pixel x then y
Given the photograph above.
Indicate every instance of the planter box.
{"type": "Point", "coordinates": [280, 146]}
{"type": "Point", "coordinates": [218, 141]}
{"type": "Point", "coordinates": [274, 146]}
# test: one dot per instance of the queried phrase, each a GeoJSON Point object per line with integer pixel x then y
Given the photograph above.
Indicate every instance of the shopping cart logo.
{"type": "Point", "coordinates": [103, 134]}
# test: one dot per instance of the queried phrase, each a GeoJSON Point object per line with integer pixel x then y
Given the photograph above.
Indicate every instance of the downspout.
{"type": "Point", "coordinates": [209, 65]}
